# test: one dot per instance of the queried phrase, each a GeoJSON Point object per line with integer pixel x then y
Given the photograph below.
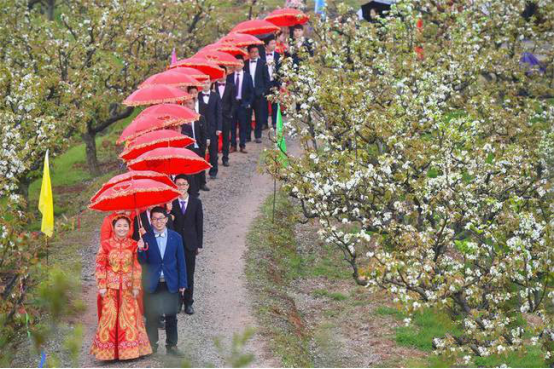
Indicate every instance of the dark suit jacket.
{"type": "Point", "coordinates": [201, 132]}
{"type": "Point", "coordinates": [261, 79]}
{"type": "Point", "coordinates": [146, 225]}
{"type": "Point", "coordinates": [247, 89]}
{"type": "Point", "coordinates": [277, 62]}
{"type": "Point", "coordinates": [190, 225]}
{"type": "Point", "coordinates": [172, 263]}
{"type": "Point", "coordinates": [211, 112]}
{"type": "Point", "coordinates": [307, 47]}
{"type": "Point", "coordinates": [228, 100]}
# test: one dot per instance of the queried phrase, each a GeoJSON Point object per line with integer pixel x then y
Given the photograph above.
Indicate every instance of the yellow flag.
{"type": "Point", "coordinates": [46, 201]}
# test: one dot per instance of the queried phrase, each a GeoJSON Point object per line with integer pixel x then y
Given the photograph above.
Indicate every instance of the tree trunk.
{"type": "Point", "coordinates": [92, 158]}
{"type": "Point", "coordinates": [50, 9]}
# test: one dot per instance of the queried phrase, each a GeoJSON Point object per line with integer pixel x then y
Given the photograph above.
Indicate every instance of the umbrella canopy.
{"type": "Point", "coordinates": [255, 27]}
{"type": "Point", "coordinates": [226, 48]}
{"type": "Point", "coordinates": [240, 40]}
{"type": "Point", "coordinates": [219, 57]}
{"type": "Point", "coordinates": [171, 78]}
{"type": "Point", "coordinates": [158, 117]}
{"type": "Point", "coordinates": [153, 140]}
{"type": "Point", "coordinates": [204, 65]}
{"type": "Point", "coordinates": [152, 95]}
{"type": "Point", "coordinates": [134, 194]}
{"type": "Point", "coordinates": [377, 6]}
{"type": "Point", "coordinates": [134, 174]}
{"type": "Point", "coordinates": [170, 160]}
{"type": "Point", "coordinates": [287, 17]}
{"type": "Point", "coordinates": [191, 72]}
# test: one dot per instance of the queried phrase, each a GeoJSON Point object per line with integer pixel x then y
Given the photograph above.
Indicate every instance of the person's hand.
{"type": "Point", "coordinates": [135, 292]}
{"type": "Point", "coordinates": [217, 133]}
{"type": "Point", "coordinates": [142, 231]}
{"type": "Point", "coordinates": [102, 292]}
{"type": "Point", "coordinates": [181, 291]}
{"type": "Point", "coordinates": [140, 244]}
{"type": "Point", "coordinates": [207, 142]}
{"type": "Point", "coordinates": [169, 206]}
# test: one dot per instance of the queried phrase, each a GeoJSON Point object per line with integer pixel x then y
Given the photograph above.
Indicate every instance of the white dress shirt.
{"type": "Point", "coordinates": [221, 89]}
{"type": "Point", "coordinates": [269, 57]}
{"type": "Point", "coordinates": [239, 87]}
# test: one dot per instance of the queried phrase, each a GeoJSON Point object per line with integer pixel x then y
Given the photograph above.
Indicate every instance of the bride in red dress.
{"type": "Point", "coordinates": [120, 334]}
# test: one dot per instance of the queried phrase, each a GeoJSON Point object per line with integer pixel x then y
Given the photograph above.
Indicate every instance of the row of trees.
{"type": "Point", "coordinates": [65, 66]}
{"type": "Point", "coordinates": [431, 170]}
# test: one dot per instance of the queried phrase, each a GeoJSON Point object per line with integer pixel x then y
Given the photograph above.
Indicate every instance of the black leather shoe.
{"type": "Point", "coordinates": [189, 310]}
{"type": "Point", "coordinates": [225, 163]}
{"type": "Point", "coordinates": [174, 351]}
{"type": "Point", "coordinates": [258, 140]}
{"type": "Point", "coordinates": [213, 177]}
{"type": "Point", "coordinates": [204, 188]}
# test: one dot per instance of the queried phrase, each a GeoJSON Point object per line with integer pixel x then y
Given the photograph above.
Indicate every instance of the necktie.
{"type": "Point", "coordinates": [183, 204]}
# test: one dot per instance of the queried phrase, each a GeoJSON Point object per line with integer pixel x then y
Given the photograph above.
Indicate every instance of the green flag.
{"type": "Point", "coordinates": [281, 144]}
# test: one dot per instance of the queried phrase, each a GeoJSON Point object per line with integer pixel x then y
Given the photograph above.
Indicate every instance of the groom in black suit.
{"type": "Point", "coordinates": [209, 105]}
{"type": "Point", "coordinates": [189, 223]}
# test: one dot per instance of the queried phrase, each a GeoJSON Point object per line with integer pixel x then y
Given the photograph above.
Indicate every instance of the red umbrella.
{"type": "Point", "coordinates": [204, 65]}
{"type": "Point", "coordinates": [226, 48]}
{"type": "Point", "coordinates": [170, 160]}
{"type": "Point", "coordinates": [219, 57]}
{"type": "Point", "coordinates": [255, 27]}
{"type": "Point", "coordinates": [134, 174]}
{"type": "Point", "coordinates": [158, 117]}
{"type": "Point", "coordinates": [287, 17]}
{"type": "Point", "coordinates": [134, 194]}
{"type": "Point", "coordinates": [191, 72]}
{"type": "Point", "coordinates": [240, 40]}
{"type": "Point", "coordinates": [156, 95]}
{"type": "Point", "coordinates": [153, 140]}
{"type": "Point", "coordinates": [171, 78]}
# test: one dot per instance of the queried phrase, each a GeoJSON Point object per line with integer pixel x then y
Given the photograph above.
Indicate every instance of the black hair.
{"type": "Point", "coordinates": [250, 47]}
{"type": "Point", "coordinates": [158, 209]}
{"type": "Point", "coordinates": [297, 26]}
{"type": "Point", "coordinates": [191, 88]}
{"type": "Point", "coordinates": [239, 57]}
{"type": "Point", "coordinates": [121, 217]}
{"type": "Point", "coordinates": [269, 39]}
{"type": "Point", "coordinates": [182, 176]}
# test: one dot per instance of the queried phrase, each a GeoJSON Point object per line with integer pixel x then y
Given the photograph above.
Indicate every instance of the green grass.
{"type": "Point", "coordinates": [337, 296]}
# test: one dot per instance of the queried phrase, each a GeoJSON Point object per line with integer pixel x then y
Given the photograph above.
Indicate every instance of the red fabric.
{"type": "Point", "coordinates": [134, 194]}
{"type": "Point", "coordinates": [241, 40]}
{"type": "Point", "coordinates": [153, 140]}
{"type": "Point", "coordinates": [192, 72]}
{"type": "Point", "coordinates": [287, 17]}
{"type": "Point", "coordinates": [156, 95]}
{"type": "Point", "coordinates": [170, 160]}
{"type": "Point", "coordinates": [106, 230]}
{"type": "Point", "coordinates": [204, 65]}
{"type": "Point", "coordinates": [219, 57]}
{"type": "Point", "coordinates": [255, 27]}
{"type": "Point", "coordinates": [170, 78]}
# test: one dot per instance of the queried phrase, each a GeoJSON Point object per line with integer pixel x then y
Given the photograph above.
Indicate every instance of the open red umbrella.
{"type": "Point", "coordinates": [158, 117]}
{"type": "Point", "coordinates": [204, 65]}
{"type": "Point", "coordinates": [171, 78]}
{"type": "Point", "coordinates": [255, 27]}
{"type": "Point", "coordinates": [170, 160]}
{"type": "Point", "coordinates": [134, 194]}
{"type": "Point", "coordinates": [240, 40]}
{"type": "Point", "coordinates": [156, 95]}
{"type": "Point", "coordinates": [134, 174]}
{"type": "Point", "coordinates": [153, 140]}
{"type": "Point", "coordinates": [219, 57]}
{"type": "Point", "coordinates": [226, 48]}
{"type": "Point", "coordinates": [287, 17]}
{"type": "Point", "coordinates": [191, 72]}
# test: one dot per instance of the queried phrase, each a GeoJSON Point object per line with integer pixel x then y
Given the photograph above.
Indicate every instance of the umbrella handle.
{"type": "Point", "coordinates": [140, 227]}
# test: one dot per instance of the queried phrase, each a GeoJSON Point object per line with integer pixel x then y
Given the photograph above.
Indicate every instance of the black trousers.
{"type": "Point", "coordinates": [241, 121]}
{"type": "Point", "coordinates": [212, 149]}
{"type": "Point", "coordinates": [200, 178]}
{"type": "Point", "coordinates": [155, 305]}
{"type": "Point", "coordinates": [190, 261]}
{"type": "Point", "coordinates": [260, 114]}
{"type": "Point", "coordinates": [226, 131]}
{"type": "Point", "coordinates": [273, 113]}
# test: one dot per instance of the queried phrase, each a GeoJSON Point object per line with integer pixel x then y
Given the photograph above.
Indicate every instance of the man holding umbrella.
{"type": "Point", "coordinates": [164, 278]}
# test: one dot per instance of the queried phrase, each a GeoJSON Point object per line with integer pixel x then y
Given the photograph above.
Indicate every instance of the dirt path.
{"type": "Point", "coordinates": [222, 303]}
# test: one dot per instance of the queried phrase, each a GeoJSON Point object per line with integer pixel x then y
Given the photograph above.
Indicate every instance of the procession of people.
{"type": "Point", "coordinates": [211, 105]}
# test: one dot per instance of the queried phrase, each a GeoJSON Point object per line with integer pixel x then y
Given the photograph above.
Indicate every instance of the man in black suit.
{"type": "Point", "coordinates": [257, 69]}
{"type": "Point", "coordinates": [209, 106]}
{"type": "Point", "coordinates": [189, 223]}
{"type": "Point", "coordinates": [273, 61]}
{"type": "Point", "coordinates": [199, 131]}
{"type": "Point", "coordinates": [226, 92]}
{"type": "Point", "coordinates": [244, 95]}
